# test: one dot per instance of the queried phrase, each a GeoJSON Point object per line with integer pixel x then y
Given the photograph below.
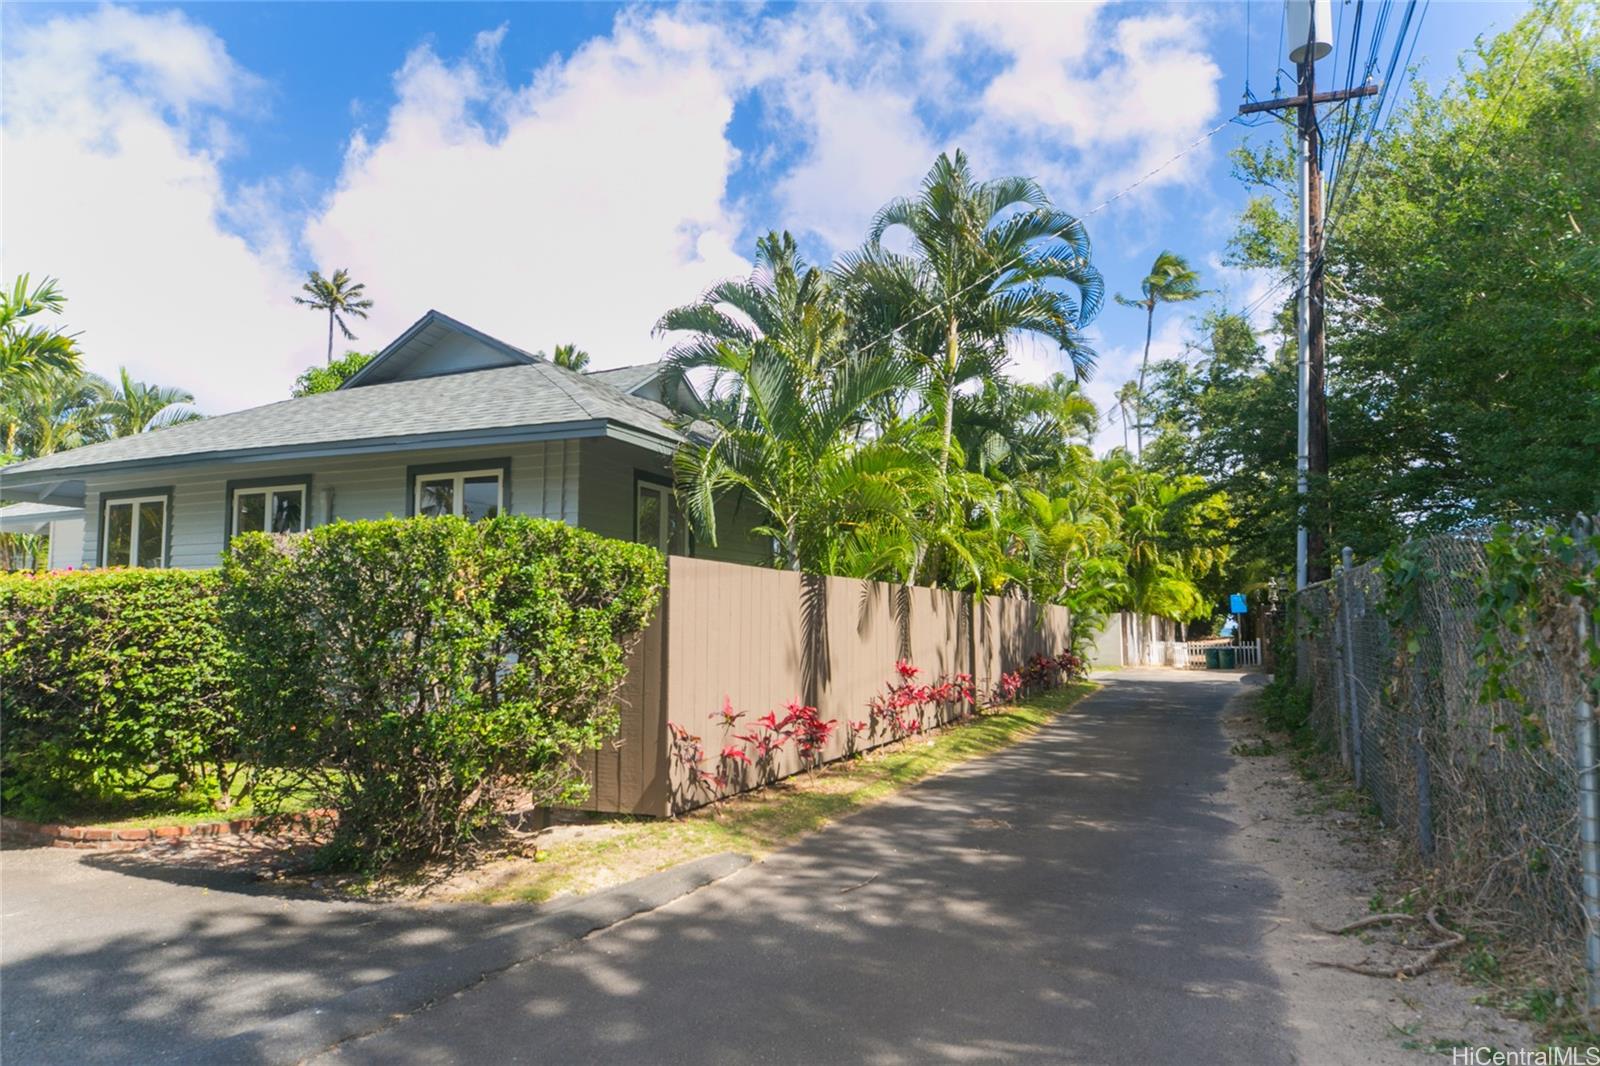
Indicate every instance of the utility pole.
{"type": "Point", "coordinates": [1310, 23]}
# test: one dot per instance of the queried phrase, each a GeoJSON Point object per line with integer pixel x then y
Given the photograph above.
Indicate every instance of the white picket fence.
{"type": "Point", "coordinates": [1132, 640]}
{"type": "Point", "coordinates": [1192, 654]}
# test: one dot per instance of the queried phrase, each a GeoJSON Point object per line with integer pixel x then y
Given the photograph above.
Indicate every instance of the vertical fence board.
{"type": "Point", "coordinates": [760, 638]}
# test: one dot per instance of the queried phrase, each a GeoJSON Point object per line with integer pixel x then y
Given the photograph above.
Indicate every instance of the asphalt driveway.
{"type": "Point", "coordinates": [115, 958]}
{"type": "Point", "coordinates": [1069, 899]}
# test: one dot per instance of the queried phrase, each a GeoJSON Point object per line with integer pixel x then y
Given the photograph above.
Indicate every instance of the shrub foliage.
{"type": "Point", "coordinates": [113, 681]}
{"type": "Point", "coordinates": [421, 674]}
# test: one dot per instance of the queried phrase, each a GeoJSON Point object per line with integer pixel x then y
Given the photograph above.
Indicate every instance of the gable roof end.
{"type": "Point", "coordinates": [421, 336]}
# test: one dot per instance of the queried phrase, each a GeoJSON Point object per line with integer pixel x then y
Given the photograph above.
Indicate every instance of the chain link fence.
{"type": "Point", "coordinates": [1483, 794]}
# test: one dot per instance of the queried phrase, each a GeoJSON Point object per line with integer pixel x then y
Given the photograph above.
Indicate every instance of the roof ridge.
{"type": "Point", "coordinates": [556, 378]}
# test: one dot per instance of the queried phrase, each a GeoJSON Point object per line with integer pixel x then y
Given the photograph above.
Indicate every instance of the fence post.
{"type": "Point", "coordinates": [1424, 795]}
{"type": "Point", "coordinates": [1341, 684]}
{"type": "Point", "coordinates": [1347, 557]}
{"type": "Point", "coordinates": [1588, 803]}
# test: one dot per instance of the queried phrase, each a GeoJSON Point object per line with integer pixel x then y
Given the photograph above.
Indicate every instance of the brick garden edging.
{"type": "Point", "coordinates": [101, 838]}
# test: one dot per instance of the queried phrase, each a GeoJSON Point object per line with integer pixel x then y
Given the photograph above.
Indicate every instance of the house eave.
{"type": "Point", "coordinates": [27, 485]}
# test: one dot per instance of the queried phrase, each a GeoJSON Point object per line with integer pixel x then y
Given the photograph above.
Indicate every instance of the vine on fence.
{"type": "Point", "coordinates": [1517, 594]}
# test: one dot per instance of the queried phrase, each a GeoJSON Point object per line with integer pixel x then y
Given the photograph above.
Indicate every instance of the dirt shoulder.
{"type": "Point", "coordinates": [1330, 866]}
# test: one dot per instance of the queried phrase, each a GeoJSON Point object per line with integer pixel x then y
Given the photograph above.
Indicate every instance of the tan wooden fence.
{"type": "Point", "coordinates": [760, 638]}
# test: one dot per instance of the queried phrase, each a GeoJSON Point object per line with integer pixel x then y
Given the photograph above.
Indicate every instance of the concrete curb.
{"type": "Point", "coordinates": [298, 1036]}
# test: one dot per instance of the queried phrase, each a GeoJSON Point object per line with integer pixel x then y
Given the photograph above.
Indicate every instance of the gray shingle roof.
{"type": "Point", "coordinates": [26, 517]}
{"type": "Point", "coordinates": [626, 378]}
{"type": "Point", "coordinates": [532, 396]}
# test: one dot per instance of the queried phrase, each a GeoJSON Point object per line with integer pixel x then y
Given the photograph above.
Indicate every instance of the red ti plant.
{"type": "Point", "coordinates": [1072, 666]}
{"type": "Point", "coordinates": [809, 731]}
{"type": "Point", "coordinates": [727, 716]}
{"type": "Point", "coordinates": [688, 752]}
{"type": "Point", "coordinates": [767, 739]}
{"type": "Point", "coordinates": [1010, 685]}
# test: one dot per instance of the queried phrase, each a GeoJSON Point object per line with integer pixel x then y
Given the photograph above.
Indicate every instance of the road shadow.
{"type": "Point", "coordinates": [1071, 898]}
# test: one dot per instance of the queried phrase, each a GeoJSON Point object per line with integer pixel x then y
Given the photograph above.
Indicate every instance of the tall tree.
{"type": "Point", "coordinates": [988, 259]}
{"type": "Point", "coordinates": [1171, 280]}
{"type": "Point", "coordinates": [787, 400]}
{"type": "Point", "coordinates": [570, 356]}
{"type": "Point", "coordinates": [28, 351]}
{"type": "Point", "coordinates": [338, 296]}
{"type": "Point", "coordinates": [54, 411]}
{"type": "Point", "coordinates": [1127, 400]}
{"type": "Point", "coordinates": [131, 407]}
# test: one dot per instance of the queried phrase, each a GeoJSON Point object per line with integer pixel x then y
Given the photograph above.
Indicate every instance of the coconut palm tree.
{"type": "Point", "coordinates": [570, 356]}
{"type": "Point", "coordinates": [1171, 280]}
{"type": "Point", "coordinates": [988, 259]}
{"type": "Point", "coordinates": [133, 407]}
{"type": "Point", "coordinates": [338, 296]}
{"type": "Point", "coordinates": [28, 351]}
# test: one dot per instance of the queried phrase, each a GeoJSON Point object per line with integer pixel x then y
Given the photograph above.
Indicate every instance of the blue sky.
{"type": "Point", "coordinates": [555, 172]}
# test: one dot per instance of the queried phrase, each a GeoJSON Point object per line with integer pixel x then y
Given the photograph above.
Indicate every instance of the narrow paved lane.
{"type": "Point", "coordinates": [1070, 899]}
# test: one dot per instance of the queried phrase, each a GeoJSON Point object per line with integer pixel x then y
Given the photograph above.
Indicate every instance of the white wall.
{"type": "Point", "coordinates": [544, 483]}
{"type": "Point", "coordinates": [66, 544]}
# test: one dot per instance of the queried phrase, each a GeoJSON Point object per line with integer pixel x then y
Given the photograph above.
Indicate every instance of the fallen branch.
{"type": "Point", "coordinates": [861, 884]}
{"type": "Point", "coordinates": [1431, 954]}
{"type": "Point", "coordinates": [1367, 923]}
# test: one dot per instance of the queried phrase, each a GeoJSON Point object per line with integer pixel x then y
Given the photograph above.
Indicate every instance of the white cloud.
{"type": "Point", "coordinates": [577, 207]}
{"type": "Point", "coordinates": [577, 204]}
{"type": "Point", "coordinates": [111, 146]}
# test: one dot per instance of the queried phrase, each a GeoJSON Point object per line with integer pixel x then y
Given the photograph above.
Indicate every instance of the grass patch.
{"type": "Point", "coordinates": [155, 802]}
{"type": "Point", "coordinates": [767, 819]}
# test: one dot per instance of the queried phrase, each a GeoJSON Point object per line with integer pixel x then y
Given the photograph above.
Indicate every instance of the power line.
{"type": "Point", "coordinates": [1348, 187]}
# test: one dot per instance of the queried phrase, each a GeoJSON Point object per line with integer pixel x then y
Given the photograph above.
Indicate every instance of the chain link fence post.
{"type": "Point", "coordinates": [1341, 681]}
{"type": "Point", "coordinates": [1588, 798]}
{"type": "Point", "coordinates": [1347, 667]}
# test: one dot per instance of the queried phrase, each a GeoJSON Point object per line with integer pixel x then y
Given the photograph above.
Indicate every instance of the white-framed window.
{"type": "Point", "coordinates": [656, 520]}
{"type": "Point", "coordinates": [469, 494]}
{"type": "Point", "coordinates": [652, 514]}
{"type": "Point", "coordinates": [269, 509]}
{"type": "Point", "coordinates": [134, 531]}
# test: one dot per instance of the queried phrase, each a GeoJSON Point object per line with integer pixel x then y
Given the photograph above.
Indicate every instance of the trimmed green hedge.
{"type": "Point", "coordinates": [422, 674]}
{"type": "Point", "coordinates": [111, 682]}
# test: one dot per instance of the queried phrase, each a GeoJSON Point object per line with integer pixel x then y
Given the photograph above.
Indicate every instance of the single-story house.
{"type": "Point", "coordinates": [446, 420]}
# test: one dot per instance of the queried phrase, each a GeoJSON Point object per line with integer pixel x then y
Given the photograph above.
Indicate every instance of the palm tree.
{"type": "Point", "coordinates": [786, 403]}
{"type": "Point", "coordinates": [29, 352]}
{"type": "Point", "coordinates": [134, 407]}
{"type": "Point", "coordinates": [1171, 280]}
{"type": "Point", "coordinates": [1014, 428]}
{"type": "Point", "coordinates": [339, 297]}
{"type": "Point", "coordinates": [1127, 398]}
{"type": "Point", "coordinates": [55, 411]}
{"type": "Point", "coordinates": [988, 259]}
{"type": "Point", "coordinates": [570, 356]}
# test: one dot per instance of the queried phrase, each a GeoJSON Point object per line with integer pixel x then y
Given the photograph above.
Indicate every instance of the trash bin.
{"type": "Point", "coordinates": [1227, 658]}
{"type": "Point", "coordinates": [1213, 659]}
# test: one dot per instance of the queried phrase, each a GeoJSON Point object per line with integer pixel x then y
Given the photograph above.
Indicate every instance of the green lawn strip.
{"type": "Point", "coordinates": [766, 819]}
{"type": "Point", "coordinates": [155, 805]}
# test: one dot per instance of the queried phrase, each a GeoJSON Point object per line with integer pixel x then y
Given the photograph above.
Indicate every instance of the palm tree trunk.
{"type": "Point", "coordinates": [1149, 328]}
{"type": "Point", "coordinates": [952, 352]}
{"type": "Point", "coordinates": [330, 336]}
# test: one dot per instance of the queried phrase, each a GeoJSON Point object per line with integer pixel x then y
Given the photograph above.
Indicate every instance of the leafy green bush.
{"type": "Point", "coordinates": [114, 682]}
{"type": "Point", "coordinates": [421, 674]}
